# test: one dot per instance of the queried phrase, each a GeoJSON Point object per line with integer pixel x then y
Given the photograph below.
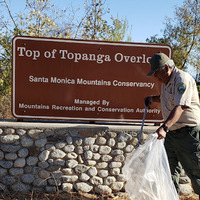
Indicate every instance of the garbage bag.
{"type": "Point", "coordinates": [147, 172]}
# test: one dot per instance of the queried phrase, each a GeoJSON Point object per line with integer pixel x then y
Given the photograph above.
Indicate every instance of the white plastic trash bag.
{"type": "Point", "coordinates": [148, 174]}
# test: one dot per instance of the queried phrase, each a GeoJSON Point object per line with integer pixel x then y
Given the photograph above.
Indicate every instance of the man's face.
{"type": "Point", "coordinates": [162, 74]}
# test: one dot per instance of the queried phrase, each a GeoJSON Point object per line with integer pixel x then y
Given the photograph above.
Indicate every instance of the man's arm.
{"type": "Point", "coordinates": [171, 120]}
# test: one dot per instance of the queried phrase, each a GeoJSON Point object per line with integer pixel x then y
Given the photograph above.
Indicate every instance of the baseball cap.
{"type": "Point", "coordinates": [157, 60]}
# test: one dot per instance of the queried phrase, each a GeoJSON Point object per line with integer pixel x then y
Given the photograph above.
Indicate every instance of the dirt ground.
{"type": "Point", "coordinates": [74, 196]}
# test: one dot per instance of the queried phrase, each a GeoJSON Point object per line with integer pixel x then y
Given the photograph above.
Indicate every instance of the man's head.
{"type": "Point", "coordinates": [161, 67]}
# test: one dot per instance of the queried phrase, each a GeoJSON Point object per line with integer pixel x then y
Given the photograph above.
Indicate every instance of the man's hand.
{"type": "Point", "coordinates": [161, 133]}
{"type": "Point", "coordinates": [147, 101]}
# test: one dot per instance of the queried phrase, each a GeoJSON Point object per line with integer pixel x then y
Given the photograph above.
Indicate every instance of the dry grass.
{"type": "Point", "coordinates": [60, 196]}
{"type": "Point", "coordinates": [74, 196]}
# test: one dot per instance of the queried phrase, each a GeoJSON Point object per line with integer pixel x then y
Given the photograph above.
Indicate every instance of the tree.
{"type": "Point", "coordinates": [95, 27]}
{"type": "Point", "coordinates": [41, 19]}
{"type": "Point", "coordinates": [183, 34]}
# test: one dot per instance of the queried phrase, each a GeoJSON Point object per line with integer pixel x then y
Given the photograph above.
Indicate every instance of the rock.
{"type": "Point", "coordinates": [71, 163]}
{"type": "Point", "coordinates": [83, 187]}
{"type": "Point", "coordinates": [91, 162]}
{"type": "Point", "coordinates": [103, 189]}
{"type": "Point", "coordinates": [121, 177]}
{"type": "Point", "coordinates": [54, 182]}
{"type": "Point", "coordinates": [50, 189]}
{"type": "Point", "coordinates": [84, 177]}
{"type": "Point", "coordinates": [115, 171]}
{"type": "Point", "coordinates": [44, 155]}
{"type": "Point", "coordinates": [115, 164]}
{"type": "Point", "coordinates": [27, 178]}
{"type": "Point", "coordinates": [60, 162]}
{"type": "Point", "coordinates": [43, 164]}
{"type": "Point", "coordinates": [8, 180]}
{"type": "Point", "coordinates": [111, 142]}
{"type": "Point", "coordinates": [16, 171]}
{"type": "Point", "coordinates": [78, 141]}
{"type": "Point", "coordinates": [94, 148]}
{"type": "Point", "coordinates": [88, 155]}
{"type": "Point", "coordinates": [124, 137]}
{"type": "Point", "coordinates": [1, 155]}
{"type": "Point", "coordinates": [89, 141]}
{"type": "Point", "coordinates": [117, 186]}
{"type": "Point", "coordinates": [101, 140]}
{"type": "Point", "coordinates": [10, 156]}
{"type": "Point", "coordinates": [6, 164]}
{"type": "Point", "coordinates": [35, 133]}
{"type": "Point", "coordinates": [80, 168]}
{"type": "Point", "coordinates": [20, 187]}
{"type": "Point", "coordinates": [129, 148]}
{"type": "Point", "coordinates": [95, 180]}
{"type": "Point", "coordinates": [79, 149]}
{"type": "Point", "coordinates": [120, 145]}
{"type": "Point", "coordinates": [67, 171]}
{"type": "Point", "coordinates": [11, 148]}
{"type": "Point", "coordinates": [69, 140]}
{"type": "Point", "coordinates": [3, 172]}
{"type": "Point", "coordinates": [21, 132]}
{"type": "Point", "coordinates": [117, 152]}
{"type": "Point", "coordinates": [69, 148]}
{"type": "Point", "coordinates": [111, 134]}
{"type": "Point", "coordinates": [106, 158]}
{"type": "Point", "coordinates": [60, 145]}
{"type": "Point", "coordinates": [9, 131]}
{"type": "Point", "coordinates": [23, 153]}
{"type": "Point", "coordinates": [101, 165]}
{"type": "Point", "coordinates": [32, 161]}
{"type": "Point", "coordinates": [67, 187]}
{"type": "Point", "coordinates": [39, 182]}
{"type": "Point", "coordinates": [119, 158]}
{"type": "Point", "coordinates": [92, 171]}
{"type": "Point", "coordinates": [26, 141]}
{"type": "Point", "coordinates": [71, 155]}
{"type": "Point", "coordinates": [69, 178]}
{"type": "Point", "coordinates": [40, 142]}
{"type": "Point", "coordinates": [104, 150]}
{"type": "Point", "coordinates": [9, 139]}
{"type": "Point", "coordinates": [57, 174]}
{"type": "Point", "coordinates": [50, 147]}
{"type": "Point", "coordinates": [103, 173]}
{"type": "Point", "coordinates": [44, 174]}
{"type": "Point", "coordinates": [58, 154]}
{"type": "Point", "coordinates": [53, 168]}
{"type": "Point", "coordinates": [96, 156]}
{"type": "Point", "coordinates": [109, 180]}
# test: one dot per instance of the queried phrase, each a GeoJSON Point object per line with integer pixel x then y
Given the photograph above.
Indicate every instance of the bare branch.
{"type": "Point", "coordinates": [10, 13]}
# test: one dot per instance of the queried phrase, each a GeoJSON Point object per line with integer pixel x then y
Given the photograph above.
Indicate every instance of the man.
{"type": "Point", "coordinates": [181, 113]}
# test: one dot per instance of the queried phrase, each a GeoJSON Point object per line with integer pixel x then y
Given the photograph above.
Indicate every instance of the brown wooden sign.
{"type": "Point", "coordinates": [63, 79]}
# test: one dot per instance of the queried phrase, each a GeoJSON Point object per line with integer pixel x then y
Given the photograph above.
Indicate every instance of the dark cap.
{"type": "Point", "coordinates": [157, 60]}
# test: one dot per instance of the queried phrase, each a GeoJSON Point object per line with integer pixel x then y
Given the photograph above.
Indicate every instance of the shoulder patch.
{"type": "Point", "coordinates": [181, 88]}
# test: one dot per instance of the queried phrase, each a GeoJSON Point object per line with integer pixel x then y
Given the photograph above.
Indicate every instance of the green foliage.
{"type": "Point", "coordinates": [183, 35]}
{"type": "Point", "coordinates": [41, 19]}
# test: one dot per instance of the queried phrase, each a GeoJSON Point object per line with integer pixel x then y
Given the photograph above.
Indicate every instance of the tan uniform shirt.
{"type": "Point", "coordinates": [181, 90]}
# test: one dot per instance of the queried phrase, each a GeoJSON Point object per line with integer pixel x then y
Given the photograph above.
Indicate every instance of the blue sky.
{"type": "Point", "coordinates": [145, 16]}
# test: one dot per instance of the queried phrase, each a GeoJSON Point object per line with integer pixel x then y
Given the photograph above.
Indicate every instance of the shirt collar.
{"type": "Point", "coordinates": [173, 75]}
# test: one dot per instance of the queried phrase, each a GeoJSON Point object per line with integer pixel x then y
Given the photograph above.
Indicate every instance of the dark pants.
{"type": "Point", "coordinates": [183, 146]}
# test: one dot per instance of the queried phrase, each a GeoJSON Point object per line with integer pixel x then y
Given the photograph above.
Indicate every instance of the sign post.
{"type": "Point", "coordinates": [63, 79]}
